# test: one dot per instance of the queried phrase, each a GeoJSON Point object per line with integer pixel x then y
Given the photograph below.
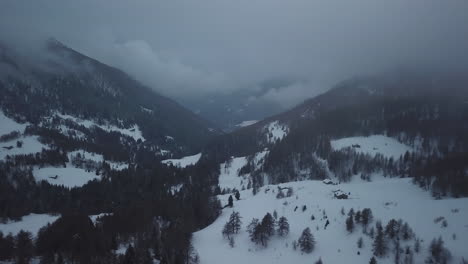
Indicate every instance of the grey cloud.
{"type": "Point", "coordinates": [190, 48]}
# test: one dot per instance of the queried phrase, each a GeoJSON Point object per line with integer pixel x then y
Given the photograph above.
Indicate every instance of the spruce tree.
{"type": "Point", "coordinates": [268, 224]}
{"type": "Point", "coordinates": [350, 224]}
{"type": "Point", "coordinates": [373, 261]}
{"type": "Point", "coordinates": [24, 247]}
{"type": "Point", "coordinates": [237, 195]}
{"type": "Point", "coordinates": [379, 246]}
{"type": "Point", "coordinates": [283, 226]}
{"type": "Point", "coordinates": [306, 241]}
{"type": "Point", "coordinates": [230, 201]}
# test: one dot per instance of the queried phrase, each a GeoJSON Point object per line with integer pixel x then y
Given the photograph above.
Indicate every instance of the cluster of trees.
{"type": "Point", "coordinates": [391, 237]}
{"type": "Point", "coordinates": [363, 217]}
{"type": "Point", "coordinates": [233, 226]}
{"type": "Point", "coordinates": [19, 248]}
{"type": "Point", "coordinates": [261, 231]}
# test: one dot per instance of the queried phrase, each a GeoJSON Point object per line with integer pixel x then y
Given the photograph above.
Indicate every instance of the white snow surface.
{"type": "Point", "coordinates": [183, 162]}
{"type": "Point", "coordinates": [229, 172]}
{"type": "Point", "coordinates": [8, 125]}
{"type": "Point", "coordinates": [133, 131]}
{"type": "Point", "coordinates": [98, 158]}
{"type": "Point", "coordinates": [276, 131]}
{"type": "Point", "coordinates": [31, 145]}
{"type": "Point", "coordinates": [69, 177]}
{"type": "Point", "coordinates": [246, 123]}
{"type": "Point", "coordinates": [30, 223]}
{"type": "Point", "coordinates": [387, 146]}
{"type": "Point", "coordinates": [388, 198]}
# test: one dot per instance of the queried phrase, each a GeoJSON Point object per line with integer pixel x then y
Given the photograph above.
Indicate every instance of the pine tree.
{"type": "Point", "coordinates": [392, 228]}
{"type": "Point", "coordinates": [360, 243]}
{"type": "Point", "coordinates": [306, 241]}
{"type": "Point", "coordinates": [417, 245]}
{"type": "Point", "coordinates": [366, 216]}
{"type": "Point", "coordinates": [319, 261]}
{"type": "Point", "coordinates": [379, 246]}
{"type": "Point", "coordinates": [230, 201]}
{"type": "Point", "coordinates": [7, 245]}
{"type": "Point", "coordinates": [252, 225]}
{"type": "Point", "coordinates": [357, 217]}
{"type": "Point", "coordinates": [397, 252]}
{"type": "Point", "coordinates": [24, 247]}
{"type": "Point", "coordinates": [373, 261]}
{"type": "Point", "coordinates": [268, 224]}
{"type": "Point", "coordinates": [237, 195]}
{"type": "Point", "coordinates": [283, 226]}
{"type": "Point", "coordinates": [232, 226]}
{"type": "Point", "coordinates": [438, 253]}
{"type": "Point", "coordinates": [350, 224]}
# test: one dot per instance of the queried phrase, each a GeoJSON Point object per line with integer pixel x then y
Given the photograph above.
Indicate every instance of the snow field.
{"type": "Point", "coordinates": [387, 146]}
{"type": "Point", "coordinates": [183, 162]}
{"type": "Point", "coordinates": [387, 198]}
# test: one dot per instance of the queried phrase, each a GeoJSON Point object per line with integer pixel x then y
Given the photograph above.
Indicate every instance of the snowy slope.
{"type": "Point", "coordinates": [31, 223]}
{"type": "Point", "coordinates": [275, 131]}
{"type": "Point", "coordinates": [133, 132]}
{"type": "Point", "coordinates": [8, 125]}
{"type": "Point", "coordinates": [98, 158]}
{"type": "Point", "coordinates": [229, 172]}
{"type": "Point", "coordinates": [68, 177]}
{"type": "Point", "coordinates": [30, 145]}
{"type": "Point", "coordinates": [388, 198]}
{"type": "Point", "coordinates": [183, 162]}
{"type": "Point", "coordinates": [372, 145]}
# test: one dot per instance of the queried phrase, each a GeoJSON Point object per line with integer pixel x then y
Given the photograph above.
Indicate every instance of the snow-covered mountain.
{"type": "Point", "coordinates": [394, 145]}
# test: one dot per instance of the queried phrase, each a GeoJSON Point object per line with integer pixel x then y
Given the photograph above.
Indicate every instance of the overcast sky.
{"type": "Point", "coordinates": [191, 48]}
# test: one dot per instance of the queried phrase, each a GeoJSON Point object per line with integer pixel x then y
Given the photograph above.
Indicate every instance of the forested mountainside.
{"type": "Point", "coordinates": [428, 111]}
{"type": "Point", "coordinates": [61, 80]}
{"type": "Point", "coordinates": [82, 143]}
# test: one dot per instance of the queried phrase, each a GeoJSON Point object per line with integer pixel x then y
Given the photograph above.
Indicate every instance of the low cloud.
{"type": "Point", "coordinates": [193, 48]}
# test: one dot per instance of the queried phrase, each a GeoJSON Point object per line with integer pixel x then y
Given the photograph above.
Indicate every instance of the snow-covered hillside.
{"type": "Point", "coordinates": [30, 145]}
{"type": "Point", "coordinates": [68, 177]}
{"type": "Point", "coordinates": [30, 223]}
{"type": "Point", "coordinates": [133, 131]}
{"type": "Point", "coordinates": [275, 131]}
{"type": "Point", "coordinates": [372, 145]}
{"type": "Point", "coordinates": [183, 162]}
{"type": "Point", "coordinates": [396, 198]}
{"type": "Point", "coordinates": [8, 125]}
{"type": "Point", "coordinates": [229, 177]}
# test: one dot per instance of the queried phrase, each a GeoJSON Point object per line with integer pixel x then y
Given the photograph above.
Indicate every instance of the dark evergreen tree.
{"type": "Point", "coordinates": [7, 246]}
{"type": "Point", "coordinates": [283, 226]}
{"type": "Point", "coordinates": [268, 224]}
{"type": "Point", "coordinates": [237, 195]}
{"type": "Point", "coordinates": [24, 247]}
{"type": "Point", "coordinates": [438, 253]}
{"type": "Point", "coordinates": [373, 261]}
{"type": "Point", "coordinates": [306, 241]}
{"type": "Point", "coordinates": [366, 216]}
{"type": "Point", "coordinates": [230, 201]}
{"type": "Point", "coordinates": [379, 245]}
{"type": "Point", "coordinates": [350, 224]}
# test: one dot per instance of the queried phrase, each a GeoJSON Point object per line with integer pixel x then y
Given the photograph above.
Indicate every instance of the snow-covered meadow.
{"type": "Point", "coordinates": [184, 161]}
{"type": "Point", "coordinates": [372, 145]}
{"type": "Point", "coordinates": [387, 198]}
